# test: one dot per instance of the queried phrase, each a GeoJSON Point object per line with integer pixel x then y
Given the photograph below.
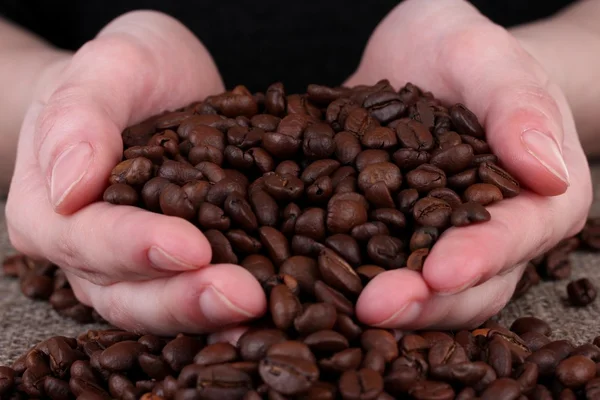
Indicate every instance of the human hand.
{"type": "Point", "coordinates": [139, 270]}
{"type": "Point", "coordinates": [450, 49]}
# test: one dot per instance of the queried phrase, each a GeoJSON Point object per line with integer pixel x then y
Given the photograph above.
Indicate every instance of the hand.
{"type": "Point", "coordinates": [139, 270]}
{"type": "Point", "coordinates": [448, 48]}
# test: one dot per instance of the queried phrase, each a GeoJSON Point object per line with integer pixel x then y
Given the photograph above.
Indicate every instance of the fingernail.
{"type": "Point", "coordinates": [68, 170]}
{"type": "Point", "coordinates": [219, 310]}
{"type": "Point", "coordinates": [162, 260]}
{"type": "Point", "coordinates": [460, 288]}
{"type": "Point", "coordinates": [403, 316]}
{"type": "Point", "coordinates": [546, 150]}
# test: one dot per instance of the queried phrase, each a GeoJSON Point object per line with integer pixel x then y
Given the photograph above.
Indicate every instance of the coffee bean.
{"type": "Point", "coordinates": [493, 174]}
{"type": "Point", "coordinates": [362, 384]}
{"type": "Point", "coordinates": [121, 356]}
{"type": "Point", "coordinates": [7, 380]}
{"type": "Point", "coordinates": [406, 200]}
{"type": "Point", "coordinates": [469, 213]}
{"type": "Point", "coordinates": [432, 212]}
{"type": "Point", "coordinates": [222, 252]}
{"type": "Point", "coordinates": [346, 246]}
{"type": "Point", "coordinates": [284, 306]}
{"type": "Point", "coordinates": [336, 272]}
{"type": "Point", "coordinates": [253, 344]}
{"type": "Point", "coordinates": [120, 194]}
{"type": "Point", "coordinates": [174, 201]}
{"type": "Point", "coordinates": [386, 251]}
{"type": "Point", "coordinates": [446, 194]}
{"type": "Point", "coordinates": [463, 179]}
{"type": "Point", "coordinates": [503, 388]}
{"type": "Point", "coordinates": [581, 292]}
{"type": "Point", "coordinates": [465, 121]}
{"type": "Point", "coordinates": [133, 172]}
{"type": "Point", "coordinates": [288, 375]}
{"type": "Point", "coordinates": [344, 360]}
{"type": "Point", "coordinates": [311, 223]}
{"type": "Point", "coordinates": [426, 390]}
{"type": "Point", "coordinates": [315, 317]}
{"type": "Point", "coordinates": [329, 295]}
{"type": "Point", "coordinates": [326, 341]}
{"type": "Point", "coordinates": [530, 324]}
{"type": "Point", "coordinates": [575, 371]}
{"type": "Point", "coordinates": [347, 147]}
{"type": "Point", "coordinates": [343, 215]}
{"type": "Point", "coordinates": [275, 243]}
{"type": "Point", "coordinates": [380, 340]}
{"type": "Point", "coordinates": [385, 172]}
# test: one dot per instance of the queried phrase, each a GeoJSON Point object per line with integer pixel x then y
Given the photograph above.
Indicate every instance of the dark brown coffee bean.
{"type": "Point", "coordinates": [216, 353]}
{"type": "Point", "coordinates": [369, 157]}
{"type": "Point", "coordinates": [425, 178]}
{"type": "Point", "coordinates": [7, 380]}
{"type": "Point", "coordinates": [151, 193]}
{"type": "Point", "coordinates": [384, 106]}
{"type": "Point", "coordinates": [386, 251]}
{"type": "Point", "coordinates": [362, 384]}
{"type": "Point", "coordinates": [414, 342]}
{"type": "Point", "coordinates": [284, 306]}
{"type": "Point", "coordinates": [469, 213]}
{"type": "Point", "coordinates": [481, 158]}
{"type": "Point", "coordinates": [275, 243]}
{"type": "Point", "coordinates": [316, 317]}
{"type": "Point", "coordinates": [581, 292]}
{"type": "Point", "coordinates": [344, 215]}
{"type": "Point", "coordinates": [291, 348]}
{"type": "Point", "coordinates": [453, 159]}
{"type": "Point", "coordinates": [366, 231]}
{"type": "Point", "coordinates": [558, 265]}
{"type": "Point", "coordinates": [426, 390]}
{"type": "Point", "coordinates": [215, 381]}
{"type": "Point", "coordinates": [62, 299]}
{"type": "Point", "coordinates": [446, 352]}
{"type": "Point", "coordinates": [259, 266]}
{"type": "Point", "coordinates": [320, 191]}
{"type": "Point", "coordinates": [327, 294]}
{"type": "Point", "coordinates": [283, 187]}
{"type": "Point", "coordinates": [154, 366]}
{"type": "Point", "coordinates": [213, 217]}
{"type": "Point", "coordinates": [379, 138]}
{"type": "Point", "coordinates": [347, 147]}
{"type": "Point", "coordinates": [592, 389]}
{"type": "Point", "coordinates": [493, 174]}
{"type": "Point", "coordinates": [448, 195]}
{"type": "Point", "coordinates": [408, 159]}
{"type": "Point", "coordinates": [344, 360]}
{"type": "Point", "coordinates": [530, 324]}
{"type": "Point", "coordinates": [211, 171]}
{"type": "Point", "coordinates": [121, 387]}
{"type": "Point", "coordinates": [479, 146]}
{"type": "Point", "coordinates": [465, 121]}
{"type": "Point", "coordinates": [346, 246]}
{"type": "Point", "coordinates": [416, 259]}
{"type": "Point", "coordinates": [382, 341]}
{"type": "Point", "coordinates": [311, 223]}
{"type": "Point", "coordinates": [37, 286]}
{"type": "Point", "coordinates": [121, 356]}
{"type": "Point", "coordinates": [275, 99]}
{"type": "Point", "coordinates": [325, 95]}
{"type": "Point", "coordinates": [462, 180]}
{"type": "Point", "coordinates": [379, 195]}
{"type": "Point", "coordinates": [387, 173]}
{"type": "Point", "coordinates": [448, 139]}
{"type": "Point", "coordinates": [499, 357]}
{"type": "Point", "coordinates": [265, 122]}
{"type": "Point", "coordinates": [305, 246]}
{"type": "Point", "coordinates": [359, 121]}
{"type": "Point", "coordinates": [406, 200]}
{"type": "Point", "coordinates": [253, 344]}
{"type": "Point", "coordinates": [222, 252]}
{"type": "Point", "coordinates": [174, 201]}
{"type": "Point", "coordinates": [120, 194]}
{"type": "Point", "coordinates": [534, 341]}
{"type": "Point", "coordinates": [265, 208]}
{"type": "Point", "coordinates": [153, 153]}
{"type": "Point", "coordinates": [575, 371]}
{"type": "Point", "coordinates": [243, 242]}
{"type": "Point", "coordinates": [336, 272]}
{"type": "Point", "coordinates": [502, 389]}
{"type": "Point", "coordinates": [326, 341]}
{"type": "Point", "coordinates": [240, 212]}
{"type": "Point", "coordinates": [483, 193]}
{"type": "Point", "coordinates": [423, 238]}
{"type": "Point", "coordinates": [347, 327]}
{"type": "Point", "coordinates": [414, 135]}
{"type": "Point", "coordinates": [133, 172]}
{"type": "Point", "coordinates": [288, 375]}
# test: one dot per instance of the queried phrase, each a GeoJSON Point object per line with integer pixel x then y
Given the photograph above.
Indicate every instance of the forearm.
{"type": "Point", "coordinates": [568, 46]}
{"type": "Point", "coordinates": [23, 59]}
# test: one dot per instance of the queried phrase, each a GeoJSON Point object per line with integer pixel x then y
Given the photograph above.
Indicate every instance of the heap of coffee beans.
{"type": "Point", "coordinates": [365, 177]}
{"type": "Point", "coordinates": [314, 194]}
{"type": "Point", "coordinates": [345, 361]}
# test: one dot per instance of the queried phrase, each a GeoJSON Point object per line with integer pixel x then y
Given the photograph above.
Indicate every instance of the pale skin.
{"type": "Point", "coordinates": [534, 88]}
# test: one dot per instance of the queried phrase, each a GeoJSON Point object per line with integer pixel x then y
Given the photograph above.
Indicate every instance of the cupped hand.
{"type": "Point", "coordinates": [450, 49]}
{"type": "Point", "coordinates": [139, 270]}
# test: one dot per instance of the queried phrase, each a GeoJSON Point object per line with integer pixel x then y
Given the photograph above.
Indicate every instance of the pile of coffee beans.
{"type": "Point", "coordinates": [345, 361]}
{"type": "Point", "coordinates": [314, 194]}
{"type": "Point", "coordinates": [366, 177]}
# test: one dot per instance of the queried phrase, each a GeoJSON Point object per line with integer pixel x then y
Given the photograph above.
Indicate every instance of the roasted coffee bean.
{"type": "Point", "coordinates": [483, 193]}
{"type": "Point", "coordinates": [253, 344]}
{"type": "Point", "coordinates": [289, 216]}
{"type": "Point", "coordinates": [345, 214]}
{"type": "Point", "coordinates": [305, 246]}
{"type": "Point", "coordinates": [433, 212]}
{"type": "Point", "coordinates": [530, 324]}
{"type": "Point", "coordinates": [222, 252]}
{"type": "Point", "coordinates": [284, 306]}
{"type": "Point", "coordinates": [453, 159]}
{"type": "Point", "coordinates": [407, 158]}
{"type": "Point", "coordinates": [292, 348]}
{"type": "Point", "coordinates": [385, 172]}
{"type": "Point", "coordinates": [315, 317]}
{"type": "Point", "coordinates": [362, 384]}
{"type": "Point", "coordinates": [587, 350]}
{"type": "Point", "coordinates": [465, 121]}
{"type": "Point", "coordinates": [121, 356]}
{"type": "Point", "coordinates": [259, 266]}
{"type": "Point", "coordinates": [379, 195]}
{"type": "Point", "coordinates": [426, 390]}
{"type": "Point", "coordinates": [242, 242]}
{"type": "Point", "coordinates": [557, 265]}
{"type": "Point", "coordinates": [370, 157]}
{"type": "Point", "coordinates": [423, 238]}
{"type": "Point", "coordinates": [463, 180]}
{"type": "Point", "coordinates": [216, 353]}
{"type": "Point", "coordinates": [37, 286]}
{"type": "Point", "coordinates": [406, 200]}
{"type": "Point", "coordinates": [575, 371]}
{"type": "Point", "coordinates": [581, 292]}
{"type": "Point", "coordinates": [275, 243]}
{"type": "Point", "coordinates": [469, 213]}
{"type": "Point", "coordinates": [320, 191]}
{"type": "Point", "coordinates": [446, 352]}
{"type": "Point", "coordinates": [336, 272]}
{"type": "Point", "coordinates": [493, 174]}
{"type": "Point", "coordinates": [382, 341]}
{"type": "Point", "coordinates": [288, 375]}
{"type": "Point", "coordinates": [121, 194]}
{"type": "Point", "coordinates": [416, 259]}
{"type": "Point", "coordinates": [347, 147]}
{"type": "Point", "coordinates": [448, 195]}
{"type": "Point", "coordinates": [174, 201]}
{"type": "Point", "coordinates": [502, 389]}
{"type": "Point", "coordinates": [534, 341]}
{"type": "Point", "coordinates": [133, 172]}
{"type": "Point", "coordinates": [344, 360]}
{"type": "Point", "coordinates": [311, 223]}
{"type": "Point", "coordinates": [414, 135]}
{"type": "Point", "coordinates": [346, 246]}
{"type": "Point", "coordinates": [326, 341]}
{"type": "Point", "coordinates": [7, 380]}
{"type": "Point", "coordinates": [386, 251]}
{"type": "Point", "coordinates": [327, 294]}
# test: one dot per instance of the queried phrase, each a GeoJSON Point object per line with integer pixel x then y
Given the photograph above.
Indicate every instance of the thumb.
{"type": "Point", "coordinates": [139, 65]}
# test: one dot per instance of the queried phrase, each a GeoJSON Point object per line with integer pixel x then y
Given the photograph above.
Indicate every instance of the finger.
{"type": "Point", "coordinates": [462, 57]}
{"type": "Point", "coordinates": [520, 229]}
{"type": "Point", "coordinates": [199, 301]}
{"type": "Point", "coordinates": [139, 65]}
{"type": "Point", "coordinates": [381, 304]}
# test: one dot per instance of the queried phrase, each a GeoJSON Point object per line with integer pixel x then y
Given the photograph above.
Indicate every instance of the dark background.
{"type": "Point", "coordinates": [256, 42]}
